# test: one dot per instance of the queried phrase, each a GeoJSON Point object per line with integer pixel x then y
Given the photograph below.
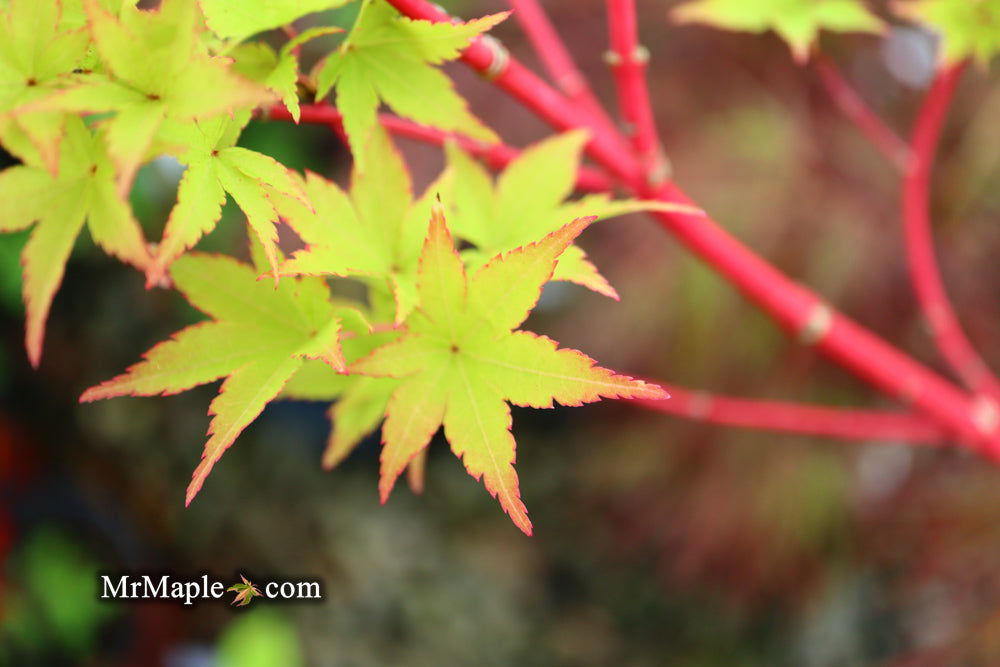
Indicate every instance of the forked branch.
{"type": "Point", "coordinates": [940, 316]}
{"type": "Point", "coordinates": [800, 311]}
{"type": "Point", "coordinates": [852, 105]}
{"type": "Point", "coordinates": [555, 57]}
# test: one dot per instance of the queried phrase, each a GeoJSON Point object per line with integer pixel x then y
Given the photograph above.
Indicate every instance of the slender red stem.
{"type": "Point", "coordinates": [814, 420]}
{"type": "Point", "coordinates": [951, 341]}
{"type": "Point", "coordinates": [556, 59]}
{"type": "Point", "coordinates": [495, 156]}
{"type": "Point", "coordinates": [491, 59]}
{"type": "Point", "coordinates": [799, 310]}
{"type": "Point", "coordinates": [857, 111]}
{"type": "Point", "coordinates": [765, 415]}
{"type": "Point", "coordinates": [628, 60]}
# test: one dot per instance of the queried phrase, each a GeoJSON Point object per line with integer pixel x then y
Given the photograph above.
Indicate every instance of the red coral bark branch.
{"type": "Point", "coordinates": [496, 156]}
{"type": "Point", "coordinates": [948, 336]}
{"type": "Point", "coordinates": [852, 105]}
{"type": "Point", "coordinates": [628, 60]}
{"type": "Point", "coordinates": [797, 309]}
{"type": "Point", "coordinates": [555, 57]}
{"type": "Point", "coordinates": [813, 420]}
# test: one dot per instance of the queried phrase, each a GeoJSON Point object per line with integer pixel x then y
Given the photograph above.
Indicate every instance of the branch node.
{"type": "Point", "coordinates": [639, 56]}
{"type": "Point", "coordinates": [499, 61]}
{"type": "Point", "coordinates": [817, 325]}
{"type": "Point", "coordinates": [700, 406]}
{"type": "Point", "coordinates": [661, 170]}
{"type": "Point", "coordinates": [571, 83]}
{"type": "Point", "coordinates": [985, 414]}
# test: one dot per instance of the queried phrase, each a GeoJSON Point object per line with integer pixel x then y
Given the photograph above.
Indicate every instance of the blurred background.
{"type": "Point", "coordinates": [658, 541]}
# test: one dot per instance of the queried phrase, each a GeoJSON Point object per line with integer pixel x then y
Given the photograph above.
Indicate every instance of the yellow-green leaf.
{"type": "Point", "coordinates": [259, 337]}
{"type": "Point", "coordinates": [460, 362]}
{"type": "Point", "coordinates": [968, 28]}
{"type": "Point", "coordinates": [389, 58]}
{"type": "Point", "coordinates": [797, 22]}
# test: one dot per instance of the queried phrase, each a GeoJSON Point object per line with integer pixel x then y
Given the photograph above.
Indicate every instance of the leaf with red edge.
{"type": "Point", "coordinates": [460, 363]}
{"type": "Point", "coordinates": [217, 166]}
{"type": "Point", "coordinates": [524, 205]}
{"type": "Point", "coordinates": [245, 591]}
{"type": "Point", "coordinates": [375, 230]}
{"type": "Point", "coordinates": [389, 58]}
{"type": "Point", "coordinates": [155, 68]}
{"type": "Point", "coordinates": [259, 337]}
{"type": "Point", "coordinates": [38, 54]}
{"type": "Point", "coordinates": [83, 191]}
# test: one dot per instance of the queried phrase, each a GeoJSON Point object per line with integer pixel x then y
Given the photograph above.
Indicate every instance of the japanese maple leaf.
{"type": "Point", "coordinates": [158, 69]}
{"type": "Point", "coordinates": [969, 29]}
{"type": "Point", "coordinates": [797, 22]}
{"type": "Point", "coordinates": [215, 167]}
{"type": "Point", "coordinates": [238, 20]}
{"type": "Point", "coordinates": [461, 361]}
{"type": "Point", "coordinates": [37, 52]}
{"type": "Point", "coordinates": [388, 58]}
{"type": "Point", "coordinates": [377, 230]}
{"type": "Point", "coordinates": [529, 201]}
{"type": "Point", "coordinates": [258, 338]}
{"type": "Point", "coordinates": [245, 592]}
{"type": "Point", "coordinates": [278, 70]}
{"type": "Point", "coordinates": [83, 190]}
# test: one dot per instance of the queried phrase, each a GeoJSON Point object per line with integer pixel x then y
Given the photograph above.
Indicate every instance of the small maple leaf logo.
{"type": "Point", "coordinates": [245, 592]}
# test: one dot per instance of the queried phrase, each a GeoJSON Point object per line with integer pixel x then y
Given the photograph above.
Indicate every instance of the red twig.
{"type": "Point", "coordinates": [800, 311]}
{"type": "Point", "coordinates": [814, 420]}
{"type": "Point", "coordinates": [854, 107]}
{"type": "Point", "coordinates": [937, 309]}
{"type": "Point", "coordinates": [767, 415]}
{"type": "Point", "coordinates": [628, 60]}
{"type": "Point", "coordinates": [496, 156]}
{"type": "Point", "coordinates": [556, 58]}
{"type": "Point", "coordinates": [490, 58]}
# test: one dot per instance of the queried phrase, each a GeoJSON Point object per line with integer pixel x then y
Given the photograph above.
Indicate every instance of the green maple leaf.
{"type": "Point", "coordinates": [258, 338]}
{"type": "Point", "coordinates": [215, 167]}
{"type": "Point", "coordinates": [37, 52]}
{"type": "Point", "coordinates": [797, 22]}
{"type": "Point", "coordinates": [388, 58]}
{"type": "Point", "coordinates": [245, 592]}
{"type": "Point", "coordinates": [158, 70]}
{"type": "Point", "coordinates": [529, 201]}
{"type": "Point", "coordinates": [461, 362]}
{"type": "Point", "coordinates": [376, 230]}
{"type": "Point", "coordinates": [238, 20]}
{"type": "Point", "coordinates": [83, 190]}
{"type": "Point", "coordinates": [968, 28]}
{"type": "Point", "coordinates": [278, 70]}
